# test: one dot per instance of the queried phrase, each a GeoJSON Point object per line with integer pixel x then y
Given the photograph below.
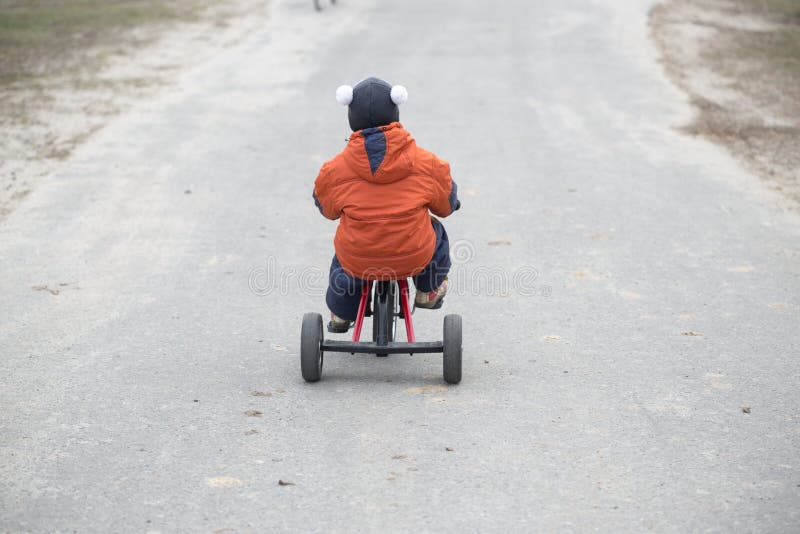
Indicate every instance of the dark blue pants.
{"type": "Point", "coordinates": [344, 291]}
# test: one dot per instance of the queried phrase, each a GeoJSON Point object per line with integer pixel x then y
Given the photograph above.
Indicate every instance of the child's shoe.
{"type": "Point", "coordinates": [432, 300]}
{"type": "Point", "coordinates": [338, 325]}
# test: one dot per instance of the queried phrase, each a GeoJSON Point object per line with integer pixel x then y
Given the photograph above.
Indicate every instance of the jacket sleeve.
{"type": "Point", "coordinates": [323, 194]}
{"type": "Point", "coordinates": [444, 199]}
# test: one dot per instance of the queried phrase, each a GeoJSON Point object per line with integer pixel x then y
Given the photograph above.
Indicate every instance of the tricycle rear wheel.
{"type": "Point", "coordinates": [384, 318]}
{"type": "Point", "coordinates": [311, 347]}
{"type": "Point", "coordinates": [451, 353]}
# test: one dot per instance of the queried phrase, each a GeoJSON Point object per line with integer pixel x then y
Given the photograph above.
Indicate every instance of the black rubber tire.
{"type": "Point", "coordinates": [311, 347]}
{"type": "Point", "coordinates": [389, 318]}
{"type": "Point", "coordinates": [451, 355]}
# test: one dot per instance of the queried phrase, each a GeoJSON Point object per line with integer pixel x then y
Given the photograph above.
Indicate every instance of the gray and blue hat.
{"type": "Point", "coordinates": [372, 102]}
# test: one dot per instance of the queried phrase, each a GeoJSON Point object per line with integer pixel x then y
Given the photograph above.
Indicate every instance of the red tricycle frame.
{"type": "Point", "coordinates": [391, 301]}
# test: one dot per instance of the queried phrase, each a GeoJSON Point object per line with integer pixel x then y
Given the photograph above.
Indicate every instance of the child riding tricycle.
{"type": "Point", "coordinates": [383, 188]}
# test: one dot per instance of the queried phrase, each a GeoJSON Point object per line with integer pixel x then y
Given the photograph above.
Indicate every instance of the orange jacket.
{"type": "Point", "coordinates": [382, 186]}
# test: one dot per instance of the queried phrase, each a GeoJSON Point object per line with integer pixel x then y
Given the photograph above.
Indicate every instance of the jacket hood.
{"type": "Point", "coordinates": [383, 155]}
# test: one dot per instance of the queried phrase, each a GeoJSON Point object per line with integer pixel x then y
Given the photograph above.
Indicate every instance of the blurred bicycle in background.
{"type": "Point", "coordinates": [318, 4]}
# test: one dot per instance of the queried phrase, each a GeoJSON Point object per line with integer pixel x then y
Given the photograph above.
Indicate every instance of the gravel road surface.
{"type": "Point", "coordinates": [629, 294]}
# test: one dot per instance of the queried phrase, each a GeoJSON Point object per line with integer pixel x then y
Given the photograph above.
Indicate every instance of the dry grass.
{"type": "Point", "coordinates": [49, 37]}
{"type": "Point", "coordinates": [747, 56]}
{"type": "Point", "coordinates": [787, 10]}
{"type": "Point", "coordinates": [67, 66]}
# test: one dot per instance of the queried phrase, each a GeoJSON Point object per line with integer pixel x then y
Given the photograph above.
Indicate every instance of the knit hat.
{"type": "Point", "coordinates": [372, 102]}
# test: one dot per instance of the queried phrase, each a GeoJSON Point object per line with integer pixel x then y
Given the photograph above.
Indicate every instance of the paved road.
{"type": "Point", "coordinates": [184, 247]}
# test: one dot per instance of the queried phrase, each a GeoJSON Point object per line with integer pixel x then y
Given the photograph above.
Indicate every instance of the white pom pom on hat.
{"type": "Point", "coordinates": [399, 94]}
{"type": "Point", "coordinates": [344, 94]}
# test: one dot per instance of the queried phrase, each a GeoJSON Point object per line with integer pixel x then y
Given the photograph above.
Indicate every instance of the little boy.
{"type": "Point", "coordinates": [382, 187]}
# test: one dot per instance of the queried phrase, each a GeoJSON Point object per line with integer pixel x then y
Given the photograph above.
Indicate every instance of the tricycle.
{"type": "Point", "coordinates": [389, 303]}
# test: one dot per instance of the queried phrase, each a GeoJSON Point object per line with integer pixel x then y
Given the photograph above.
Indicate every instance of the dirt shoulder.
{"type": "Point", "coordinates": [739, 61]}
{"type": "Point", "coordinates": [67, 68]}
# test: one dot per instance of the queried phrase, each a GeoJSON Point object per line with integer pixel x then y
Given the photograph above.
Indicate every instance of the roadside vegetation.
{"type": "Point", "coordinates": [47, 37]}
{"type": "Point", "coordinates": [739, 60]}
{"type": "Point", "coordinates": [67, 66]}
